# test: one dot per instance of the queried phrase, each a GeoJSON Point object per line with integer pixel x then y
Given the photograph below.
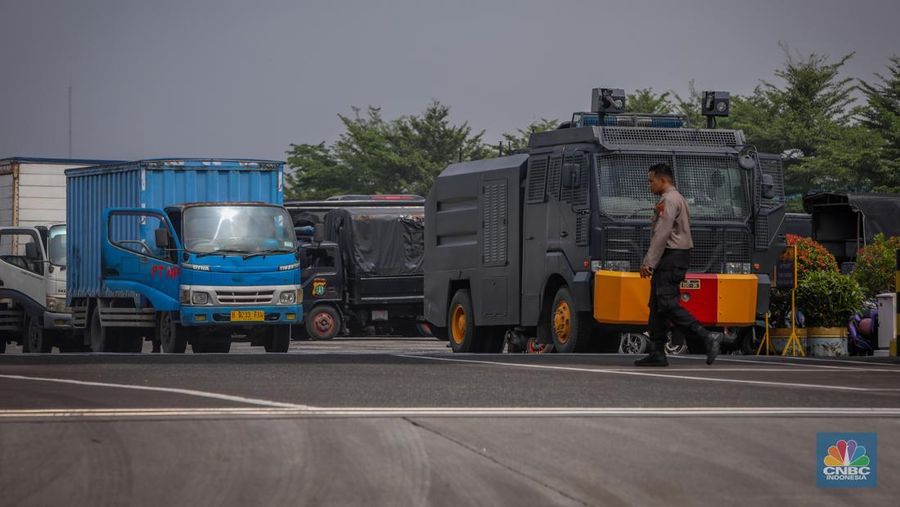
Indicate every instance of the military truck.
{"type": "Point", "coordinates": [361, 257]}
{"type": "Point", "coordinates": [545, 247]}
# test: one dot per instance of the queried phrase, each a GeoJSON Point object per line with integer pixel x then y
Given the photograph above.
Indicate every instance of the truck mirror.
{"type": "Point", "coordinates": [162, 238]}
{"type": "Point", "coordinates": [768, 186]}
{"type": "Point", "coordinates": [571, 175]}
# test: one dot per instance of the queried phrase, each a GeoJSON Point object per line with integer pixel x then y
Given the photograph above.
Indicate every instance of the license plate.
{"type": "Point", "coordinates": [379, 314]}
{"type": "Point", "coordinates": [690, 284]}
{"type": "Point", "coordinates": [248, 316]}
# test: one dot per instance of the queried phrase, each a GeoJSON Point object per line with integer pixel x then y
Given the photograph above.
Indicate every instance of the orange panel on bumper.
{"type": "Point", "coordinates": [722, 300]}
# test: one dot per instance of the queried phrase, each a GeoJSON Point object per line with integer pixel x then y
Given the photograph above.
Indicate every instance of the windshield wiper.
{"type": "Point", "coordinates": [267, 252]}
{"type": "Point", "coordinates": [222, 252]}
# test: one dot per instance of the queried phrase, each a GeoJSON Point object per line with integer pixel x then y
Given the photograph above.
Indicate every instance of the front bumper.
{"type": "Point", "coordinates": [57, 321]}
{"type": "Point", "coordinates": [713, 299]}
{"type": "Point", "coordinates": [222, 315]}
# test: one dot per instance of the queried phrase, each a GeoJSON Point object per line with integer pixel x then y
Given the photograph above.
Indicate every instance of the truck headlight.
{"type": "Point", "coordinates": [56, 304]}
{"type": "Point", "coordinates": [617, 265]}
{"type": "Point", "coordinates": [199, 298]}
{"type": "Point", "coordinates": [287, 297]}
{"type": "Point", "coordinates": [737, 268]}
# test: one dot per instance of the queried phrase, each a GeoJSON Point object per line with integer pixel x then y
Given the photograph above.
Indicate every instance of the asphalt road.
{"type": "Point", "coordinates": [380, 421]}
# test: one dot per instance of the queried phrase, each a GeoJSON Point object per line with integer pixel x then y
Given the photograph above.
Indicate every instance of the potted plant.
{"type": "Point", "coordinates": [828, 299]}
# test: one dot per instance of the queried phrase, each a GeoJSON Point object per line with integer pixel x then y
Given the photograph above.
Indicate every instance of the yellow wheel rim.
{"type": "Point", "coordinates": [458, 324]}
{"type": "Point", "coordinates": [562, 321]}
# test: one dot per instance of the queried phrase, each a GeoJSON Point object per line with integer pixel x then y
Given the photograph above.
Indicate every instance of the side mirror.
{"type": "Point", "coordinates": [161, 237]}
{"type": "Point", "coordinates": [571, 175]}
{"type": "Point", "coordinates": [768, 186]}
{"type": "Point", "coordinates": [747, 158]}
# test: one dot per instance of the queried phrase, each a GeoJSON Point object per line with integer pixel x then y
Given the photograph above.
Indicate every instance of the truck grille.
{"type": "Point", "coordinates": [245, 297]}
{"type": "Point", "coordinates": [713, 246]}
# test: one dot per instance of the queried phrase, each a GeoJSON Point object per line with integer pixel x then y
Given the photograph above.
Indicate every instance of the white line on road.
{"type": "Point", "coordinates": [448, 412]}
{"type": "Point", "coordinates": [674, 375]}
{"type": "Point", "coordinates": [188, 392]}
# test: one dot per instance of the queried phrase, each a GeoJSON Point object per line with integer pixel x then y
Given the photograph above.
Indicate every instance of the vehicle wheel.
{"type": "Point", "coordinates": [171, 336]}
{"type": "Point", "coordinates": [36, 339]}
{"type": "Point", "coordinates": [99, 336]}
{"type": "Point", "coordinates": [633, 343]}
{"type": "Point", "coordinates": [131, 341]}
{"type": "Point", "coordinates": [462, 324]}
{"type": "Point", "coordinates": [676, 344]}
{"type": "Point", "coordinates": [323, 322]}
{"type": "Point", "coordinates": [570, 329]}
{"type": "Point", "coordinates": [280, 340]}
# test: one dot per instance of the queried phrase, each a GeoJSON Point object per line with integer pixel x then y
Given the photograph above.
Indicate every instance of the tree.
{"type": "Point", "coordinates": [646, 101]}
{"type": "Point", "coordinates": [378, 156]}
{"type": "Point", "coordinates": [518, 140]}
{"type": "Point", "coordinates": [881, 116]}
{"type": "Point", "coordinates": [808, 116]}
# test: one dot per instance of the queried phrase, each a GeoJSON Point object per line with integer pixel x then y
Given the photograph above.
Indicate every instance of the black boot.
{"type": "Point", "coordinates": [713, 345]}
{"type": "Point", "coordinates": [656, 357]}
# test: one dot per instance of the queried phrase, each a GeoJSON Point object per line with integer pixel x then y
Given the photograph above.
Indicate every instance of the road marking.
{"type": "Point", "coordinates": [106, 413]}
{"type": "Point", "coordinates": [188, 392]}
{"type": "Point", "coordinates": [882, 368]}
{"type": "Point", "coordinates": [659, 375]}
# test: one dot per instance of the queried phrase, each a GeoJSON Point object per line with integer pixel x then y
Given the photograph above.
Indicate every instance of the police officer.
{"type": "Point", "coordinates": [666, 263]}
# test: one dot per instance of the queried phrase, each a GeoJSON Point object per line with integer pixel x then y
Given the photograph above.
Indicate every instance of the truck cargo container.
{"type": "Point", "coordinates": [33, 253]}
{"type": "Point", "coordinates": [182, 251]}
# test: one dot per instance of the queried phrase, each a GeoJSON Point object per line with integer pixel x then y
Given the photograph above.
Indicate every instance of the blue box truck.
{"type": "Point", "coordinates": [181, 251]}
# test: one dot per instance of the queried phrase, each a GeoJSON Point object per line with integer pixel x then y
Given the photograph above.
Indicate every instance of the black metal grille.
{"type": "Point", "coordinates": [577, 196]}
{"type": "Point", "coordinates": [537, 180]}
{"type": "Point", "coordinates": [553, 177]}
{"type": "Point", "coordinates": [494, 221]}
{"type": "Point", "coordinates": [582, 229]}
{"type": "Point", "coordinates": [713, 246]}
{"type": "Point", "coordinates": [631, 136]}
{"type": "Point", "coordinates": [713, 185]}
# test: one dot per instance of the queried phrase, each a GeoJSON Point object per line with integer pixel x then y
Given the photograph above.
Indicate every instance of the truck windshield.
{"type": "Point", "coordinates": [237, 229]}
{"type": "Point", "coordinates": [56, 245]}
{"type": "Point", "coordinates": [713, 185]}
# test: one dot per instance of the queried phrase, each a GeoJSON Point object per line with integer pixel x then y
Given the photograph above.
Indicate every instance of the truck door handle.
{"type": "Point", "coordinates": [563, 234]}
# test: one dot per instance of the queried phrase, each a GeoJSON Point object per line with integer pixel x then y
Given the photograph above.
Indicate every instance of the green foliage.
{"type": "Point", "coordinates": [875, 265]}
{"type": "Point", "coordinates": [374, 155]}
{"type": "Point", "coordinates": [646, 101]}
{"type": "Point", "coordinates": [828, 298]}
{"type": "Point", "coordinates": [518, 140]}
{"type": "Point", "coordinates": [811, 256]}
{"type": "Point", "coordinates": [804, 116]}
{"type": "Point", "coordinates": [881, 116]}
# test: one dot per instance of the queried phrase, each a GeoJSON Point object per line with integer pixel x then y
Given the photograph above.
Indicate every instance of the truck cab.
{"type": "Point", "coordinates": [33, 285]}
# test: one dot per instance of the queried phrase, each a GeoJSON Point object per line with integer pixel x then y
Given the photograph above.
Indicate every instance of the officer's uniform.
{"type": "Point", "coordinates": [669, 256]}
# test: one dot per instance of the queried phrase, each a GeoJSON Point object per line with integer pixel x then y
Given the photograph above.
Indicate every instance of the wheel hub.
{"type": "Point", "coordinates": [458, 322]}
{"type": "Point", "coordinates": [562, 321]}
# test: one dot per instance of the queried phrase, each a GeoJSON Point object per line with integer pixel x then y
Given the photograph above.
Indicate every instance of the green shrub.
{"type": "Point", "coordinates": [811, 256]}
{"type": "Point", "coordinates": [875, 265]}
{"type": "Point", "coordinates": [828, 298]}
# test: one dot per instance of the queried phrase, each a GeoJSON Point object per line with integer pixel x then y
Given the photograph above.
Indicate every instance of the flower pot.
{"type": "Point", "coordinates": [827, 341]}
{"type": "Point", "coordinates": [779, 337]}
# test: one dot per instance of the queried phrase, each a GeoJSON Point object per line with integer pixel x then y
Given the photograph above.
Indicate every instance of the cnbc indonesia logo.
{"type": "Point", "coordinates": [846, 461]}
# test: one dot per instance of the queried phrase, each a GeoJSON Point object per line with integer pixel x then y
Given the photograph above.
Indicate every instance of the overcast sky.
{"type": "Point", "coordinates": [220, 78]}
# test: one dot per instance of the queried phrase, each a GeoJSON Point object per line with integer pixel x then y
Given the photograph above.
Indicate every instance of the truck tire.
{"type": "Point", "coordinates": [170, 335]}
{"type": "Point", "coordinates": [570, 329]}
{"type": "Point", "coordinates": [280, 340]}
{"type": "Point", "coordinates": [465, 336]}
{"type": "Point", "coordinates": [323, 322]}
{"type": "Point", "coordinates": [36, 339]}
{"type": "Point", "coordinates": [99, 336]}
